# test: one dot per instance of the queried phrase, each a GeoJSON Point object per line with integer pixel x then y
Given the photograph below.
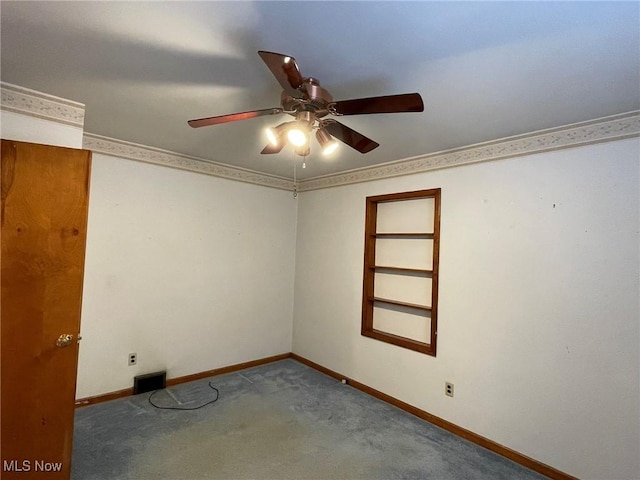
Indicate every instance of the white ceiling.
{"type": "Point", "coordinates": [485, 70]}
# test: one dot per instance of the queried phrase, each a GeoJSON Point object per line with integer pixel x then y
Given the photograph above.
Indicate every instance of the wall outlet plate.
{"type": "Point", "coordinates": [133, 358]}
{"type": "Point", "coordinates": [448, 389]}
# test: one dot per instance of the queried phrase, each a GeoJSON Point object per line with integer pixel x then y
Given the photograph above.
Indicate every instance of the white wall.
{"type": "Point", "coordinates": [538, 311]}
{"type": "Point", "coordinates": [539, 281]}
{"type": "Point", "coordinates": [189, 271]}
{"type": "Point", "coordinates": [25, 128]}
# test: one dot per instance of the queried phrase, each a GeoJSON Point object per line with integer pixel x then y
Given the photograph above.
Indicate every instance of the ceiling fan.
{"type": "Point", "coordinates": [304, 99]}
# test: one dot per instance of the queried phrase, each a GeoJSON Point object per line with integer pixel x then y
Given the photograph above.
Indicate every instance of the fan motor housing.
{"type": "Point", "coordinates": [315, 92]}
{"type": "Point", "coordinates": [315, 99]}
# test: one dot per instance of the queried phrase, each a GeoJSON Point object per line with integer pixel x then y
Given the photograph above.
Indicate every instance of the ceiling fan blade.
{"type": "Point", "coordinates": [233, 117]}
{"type": "Point", "coordinates": [286, 71]}
{"type": "Point", "coordinates": [272, 149]}
{"type": "Point", "coordinates": [349, 136]}
{"type": "Point", "coordinates": [407, 102]}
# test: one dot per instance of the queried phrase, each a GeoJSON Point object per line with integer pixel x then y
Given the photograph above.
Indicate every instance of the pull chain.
{"type": "Point", "coordinates": [295, 179]}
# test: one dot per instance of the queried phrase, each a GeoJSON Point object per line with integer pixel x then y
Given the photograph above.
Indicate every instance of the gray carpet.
{"type": "Point", "coordinates": [283, 421]}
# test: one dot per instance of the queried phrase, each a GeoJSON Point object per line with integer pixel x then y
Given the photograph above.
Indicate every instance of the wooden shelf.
{"type": "Point", "coordinates": [400, 338]}
{"type": "Point", "coordinates": [408, 221]}
{"type": "Point", "coordinates": [403, 235]}
{"type": "Point", "coordinates": [401, 304]}
{"type": "Point", "coordinates": [402, 269]}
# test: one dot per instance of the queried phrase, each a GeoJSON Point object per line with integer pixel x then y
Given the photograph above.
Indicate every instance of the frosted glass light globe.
{"type": "Point", "coordinates": [297, 137]}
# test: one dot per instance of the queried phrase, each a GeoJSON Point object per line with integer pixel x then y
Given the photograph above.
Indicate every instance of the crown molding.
{"type": "Point", "coordinates": [37, 104]}
{"type": "Point", "coordinates": [615, 127]}
{"type": "Point", "coordinates": [41, 105]}
{"type": "Point", "coordinates": [156, 156]}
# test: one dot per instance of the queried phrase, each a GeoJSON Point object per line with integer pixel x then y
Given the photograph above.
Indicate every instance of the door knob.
{"type": "Point", "coordinates": [64, 340]}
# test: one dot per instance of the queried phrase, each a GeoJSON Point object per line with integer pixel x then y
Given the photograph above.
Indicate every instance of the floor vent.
{"type": "Point", "coordinates": [149, 382]}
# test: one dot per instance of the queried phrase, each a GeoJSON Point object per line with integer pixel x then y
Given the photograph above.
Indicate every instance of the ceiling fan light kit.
{"type": "Point", "coordinates": [298, 136]}
{"type": "Point", "coordinates": [326, 141]}
{"type": "Point", "coordinates": [303, 151]}
{"type": "Point", "coordinates": [274, 134]}
{"type": "Point", "coordinates": [304, 99]}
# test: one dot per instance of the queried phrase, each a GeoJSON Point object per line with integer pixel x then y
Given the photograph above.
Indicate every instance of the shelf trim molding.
{"type": "Point", "coordinates": [424, 271]}
{"type": "Point", "coordinates": [400, 304]}
{"type": "Point", "coordinates": [418, 235]}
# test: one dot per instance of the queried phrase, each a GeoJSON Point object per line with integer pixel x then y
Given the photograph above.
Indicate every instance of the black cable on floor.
{"type": "Point", "coordinates": [185, 408]}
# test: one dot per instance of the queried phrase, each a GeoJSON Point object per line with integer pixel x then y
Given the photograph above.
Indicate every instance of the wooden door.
{"type": "Point", "coordinates": [45, 194]}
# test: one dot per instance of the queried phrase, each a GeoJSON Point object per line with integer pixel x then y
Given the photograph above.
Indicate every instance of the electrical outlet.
{"type": "Point", "coordinates": [448, 389]}
{"type": "Point", "coordinates": [133, 358]}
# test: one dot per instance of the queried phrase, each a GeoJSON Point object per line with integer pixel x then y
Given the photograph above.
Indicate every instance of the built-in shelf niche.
{"type": "Point", "coordinates": [400, 293]}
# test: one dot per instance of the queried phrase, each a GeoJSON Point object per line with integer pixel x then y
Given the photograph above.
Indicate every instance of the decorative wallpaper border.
{"type": "Point", "coordinates": [37, 104]}
{"type": "Point", "coordinates": [142, 153]}
{"type": "Point", "coordinates": [615, 127]}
